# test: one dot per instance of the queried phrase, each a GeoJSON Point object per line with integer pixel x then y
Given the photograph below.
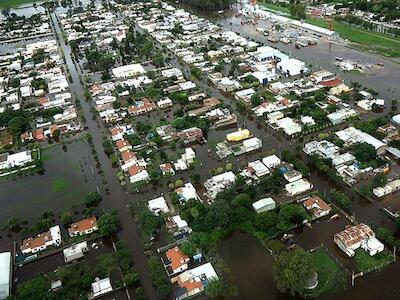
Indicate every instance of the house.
{"type": "Point", "coordinates": [317, 207]}
{"type": "Point", "coordinates": [100, 287]}
{"type": "Point", "coordinates": [128, 71]}
{"type": "Point", "coordinates": [239, 135]}
{"type": "Point", "coordinates": [271, 161]}
{"type": "Point", "coordinates": [128, 156]}
{"type": "Point", "coordinates": [321, 76]}
{"type": "Point", "coordinates": [191, 135]}
{"type": "Point", "coordinates": [292, 67]}
{"type": "Point", "coordinates": [164, 103]}
{"type": "Point", "coordinates": [322, 148]}
{"type": "Point", "coordinates": [265, 204]}
{"type": "Point", "coordinates": [123, 145]}
{"type": "Point", "coordinates": [358, 236]}
{"type": "Point", "coordinates": [340, 115]}
{"type": "Point", "coordinates": [288, 125]}
{"type": "Point", "coordinates": [84, 227]}
{"type": "Point", "coordinates": [298, 187]}
{"type": "Point", "coordinates": [292, 175]}
{"type": "Point", "coordinates": [258, 168]}
{"type": "Point", "coordinates": [252, 144]}
{"type": "Point", "coordinates": [15, 160]}
{"type": "Point", "coordinates": [187, 192]}
{"type": "Point", "coordinates": [75, 252]}
{"type": "Point", "coordinates": [245, 95]}
{"type": "Point", "coordinates": [218, 183]}
{"type": "Point", "coordinates": [194, 281]}
{"type": "Point", "coordinates": [52, 237]}
{"type": "Point", "coordinates": [5, 274]}
{"type": "Point", "coordinates": [390, 187]}
{"type": "Point", "coordinates": [226, 84]}
{"type": "Point", "coordinates": [353, 136]}
{"type": "Point", "coordinates": [176, 261]}
{"type": "Point", "coordinates": [396, 119]}
{"type": "Point", "coordinates": [138, 173]}
{"type": "Point", "coordinates": [158, 206]}
{"type": "Point", "coordinates": [167, 169]}
{"type": "Point", "coordinates": [141, 107]}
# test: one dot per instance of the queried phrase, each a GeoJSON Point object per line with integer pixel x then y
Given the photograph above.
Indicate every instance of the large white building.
{"type": "Point", "coordinates": [218, 183]}
{"type": "Point", "coordinates": [353, 136]}
{"type": "Point", "coordinates": [298, 187]}
{"type": "Point", "coordinates": [5, 274]}
{"type": "Point", "coordinates": [15, 160]}
{"type": "Point", "coordinates": [128, 71]}
{"type": "Point", "coordinates": [359, 236]}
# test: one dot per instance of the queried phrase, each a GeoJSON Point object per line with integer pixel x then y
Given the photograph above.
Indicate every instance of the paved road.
{"type": "Point", "coordinates": [117, 198]}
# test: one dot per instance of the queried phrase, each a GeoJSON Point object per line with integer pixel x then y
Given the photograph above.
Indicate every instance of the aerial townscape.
{"type": "Point", "coordinates": [199, 149]}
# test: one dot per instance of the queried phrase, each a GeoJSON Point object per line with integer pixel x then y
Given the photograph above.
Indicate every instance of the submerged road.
{"type": "Point", "coordinates": [117, 198]}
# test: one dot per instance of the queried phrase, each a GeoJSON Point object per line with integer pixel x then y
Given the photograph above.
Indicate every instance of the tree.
{"type": "Point", "coordinates": [215, 289]}
{"type": "Point", "coordinates": [365, 152]}
{"type": "Point", "coordinates": [13, 224]}
{"type": "Point", "coordinates": [132, 279]}
{"type": "Point", "coordinates": [379, 180]}
{"type": "Point", "coordinates": [266, 220]}
{"type": "Point", "coordinates": [109, 223]}
{"type": "Point", "coordinates": [292, 270]}
{"type": "Point", "coordinates": [17, 125]}
{"type": "Point", "coordinates": [293, 213]}
{"type": "Point", "coordinates": [32, 289]}
{"type": "Point", "coordinates": [92, 199]}
{"type": "Point", "coordinates": [66, 218]}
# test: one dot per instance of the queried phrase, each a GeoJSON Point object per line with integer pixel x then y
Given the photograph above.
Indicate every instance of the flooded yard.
{"type": "Point", "coordinates": [67, 178]}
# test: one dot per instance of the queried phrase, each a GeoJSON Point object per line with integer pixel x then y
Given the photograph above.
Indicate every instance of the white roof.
{"type": "Point", "coordinates": [158, 204]}
{"type": "Point", "coordinates": [125, 71]}
{"type": "Point", "coordinates": [352, 135]}
{"type": "Point", "coordinates": [262, 203]}
{"type": "Point", "coordinates": [5, 272]}
{"type": "Point", "coordinates": [227, 176]}
{"type": "Point", "coordinates": [101, 286]}
{"type": "Point", "coordinates": [271, 161]}
{"type": "Point", "coordinates": [179, 221]}
{"type": "Point", "coordinates": [187, 192]}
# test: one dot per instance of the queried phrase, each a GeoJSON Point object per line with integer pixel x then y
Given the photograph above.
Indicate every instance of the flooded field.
{"type": "Point", "coordinates": [251, 267]}
{"type": "Point", "coordinates": [67, 178]}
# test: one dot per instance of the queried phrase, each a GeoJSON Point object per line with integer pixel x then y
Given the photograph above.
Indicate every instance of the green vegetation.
{"type": "Point", "coordinates": [366, 40]}
{"type": "Point", "coordinates": [292, 270]}
{"type": "Point", "coordinates": [77, 278]}
{"type": "Point", "coordinates": [60, 185]}
{"type": "Point", "coordinates": [331, 276]}
{"type": "Point", "coordinates": [380, 43]}
{"type": "Point", "coordinates": [14, 3]}
{"type": "Point", "coordinates": [366, 263]}
{"type": "Point", "coordinates": [159, 277]}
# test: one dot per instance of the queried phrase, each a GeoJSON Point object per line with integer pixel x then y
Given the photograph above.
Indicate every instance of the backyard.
{"type": "Point", "coordinates": [331, 277]}
{"type": "Point", "coordinates": [366, 263]}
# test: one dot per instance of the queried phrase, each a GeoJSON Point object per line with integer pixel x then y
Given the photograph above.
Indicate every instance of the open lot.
{"type": "Point", "coordinates": [66, 179]}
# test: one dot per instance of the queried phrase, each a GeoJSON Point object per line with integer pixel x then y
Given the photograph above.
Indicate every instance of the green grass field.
{"type": "Point", "coordinates": [366, 263]}
{"type": "Point", "coordinates": [367, 40]}
{"type": "Point", "coordinates": [14, 3]}
{"type": "Point", "coordinates": [274, 7]}
{"type": "Point", "coordinates": [331, 277]}
{"type": "Point", "coordinates": [60, 185]}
